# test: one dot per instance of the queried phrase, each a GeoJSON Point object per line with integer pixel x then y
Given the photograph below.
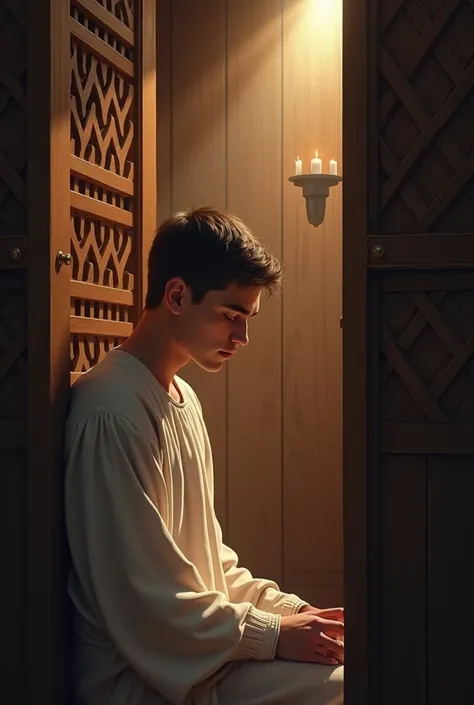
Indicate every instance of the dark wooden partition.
{"type": "Point", "coordinates": [408, 348]}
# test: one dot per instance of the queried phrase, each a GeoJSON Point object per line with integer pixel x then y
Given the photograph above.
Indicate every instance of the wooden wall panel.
{"type": "Point", "coordinates": [164, 115]}
{"type": "Point", "coordinates": [254, 173]}
{"type": "Point", "coordinates": [311, 392]}
{"type": "Point", "coordinates": [198, 148]}
{"type": "Point", "coordinates": [233, 112]}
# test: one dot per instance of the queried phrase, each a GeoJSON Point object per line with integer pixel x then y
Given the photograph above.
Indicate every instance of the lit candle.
{"type": "Point", "coordinates": [316, 164]}
{"type": "Point", "coordinates": [298, 166]}
{"type": "Point", "coordinates": [333, 167]}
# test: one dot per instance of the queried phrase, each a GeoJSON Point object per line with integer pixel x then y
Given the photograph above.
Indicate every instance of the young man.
{"type": "Point", "coordinates": [163, 612]}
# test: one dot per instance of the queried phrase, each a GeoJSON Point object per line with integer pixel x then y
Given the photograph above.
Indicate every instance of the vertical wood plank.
{"type": "Point", "coordinates": [450, 610]}
{"type": "Point", "coordinates": [147, 125]}
{"type": "Point", "coordinates": [254, 115]}
{"type": "Point", "coordinates": [48, 343]}
{"type": "Point", "coordinates": [312, 454]}
{"type": "Point", "coordinates": [199, 168]}
{"type": "Point", "coordinates": [401, 619]}
{"type": "Point", "coordinates": [163, 111]}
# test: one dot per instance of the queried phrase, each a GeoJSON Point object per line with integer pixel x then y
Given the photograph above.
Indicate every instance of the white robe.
{"type": "Point", "coordinates": [163, 612]}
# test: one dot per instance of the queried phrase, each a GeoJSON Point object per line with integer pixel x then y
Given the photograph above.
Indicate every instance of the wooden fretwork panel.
{"type": "Point", "coordinates": [121, 9]}
{"type": "Point", "coordinates": [426, 367]}
{"type": "Point", "coordinates": [425, 66]}
{"type": "Point", "coordinates": [104, 241]}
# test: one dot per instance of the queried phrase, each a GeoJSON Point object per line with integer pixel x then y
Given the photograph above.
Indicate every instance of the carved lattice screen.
{"type": "Point", "coordinates": [103, 154]}
{"type": "Point", "coordinates": [425, 116]}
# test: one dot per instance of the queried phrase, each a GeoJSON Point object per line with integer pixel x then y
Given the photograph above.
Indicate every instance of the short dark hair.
{"type": "Point", "coordinates": [209, 249]}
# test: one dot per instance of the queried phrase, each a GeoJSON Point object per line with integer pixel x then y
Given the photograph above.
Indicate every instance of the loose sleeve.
{"type": "Point", "coordinates": [151, 600]}
{"type": "Point", "coordinates": [264, 594]}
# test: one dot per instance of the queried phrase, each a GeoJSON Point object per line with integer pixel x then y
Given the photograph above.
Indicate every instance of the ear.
{"type": "Point", "coordinates": [175, 296]}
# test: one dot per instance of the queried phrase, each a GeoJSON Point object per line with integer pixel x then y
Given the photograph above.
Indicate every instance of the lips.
{"type": "Point", "coordinates": [227, 353]}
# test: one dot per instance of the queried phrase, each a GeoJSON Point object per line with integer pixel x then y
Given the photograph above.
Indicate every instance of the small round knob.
{"type": "Point", "coordinates": [15, 253]}
{"type": "Point", "coordinates": [378, 251]}
{"type": "Point", "coordinates": [64, 258]}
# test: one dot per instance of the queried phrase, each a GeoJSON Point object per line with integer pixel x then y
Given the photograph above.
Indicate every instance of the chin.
{"type": "Point", "coordinates": [211, 365]}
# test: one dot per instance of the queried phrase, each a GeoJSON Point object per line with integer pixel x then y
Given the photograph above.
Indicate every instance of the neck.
{"type": "Point", "coordinates": [153, 344]}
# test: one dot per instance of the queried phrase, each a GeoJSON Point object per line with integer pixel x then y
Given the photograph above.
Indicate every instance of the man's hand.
{"type": "Point", "coordinates": [311, 638]}
{"type": "Point", "coordinates": [336, 613]}
{"type": "Point", "coordinates": [333, 613]}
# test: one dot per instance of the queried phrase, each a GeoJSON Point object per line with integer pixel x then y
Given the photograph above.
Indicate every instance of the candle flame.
{"type": "Point", "coordinates": [316, 153]}
{"type": "Point", "coordinates": [297, 159]}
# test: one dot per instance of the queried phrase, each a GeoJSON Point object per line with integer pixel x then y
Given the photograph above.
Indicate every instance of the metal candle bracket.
{"type": "Point", "coordinates": [315, 191]}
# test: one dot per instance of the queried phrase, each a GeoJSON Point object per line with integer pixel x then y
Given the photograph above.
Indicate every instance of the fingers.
{"type": "Point", "coordinates": [336, 613]}
{"type": "Point", "coordinates": [321, 655]}
{"type": "Point", "coordinates": [330, 643]}
{"type": "Point", "coordinates": [331, 626]}
{"type": "Point", "coordinates": [333, 635]}
{"type": "Point", "coordinates": [326, 660]}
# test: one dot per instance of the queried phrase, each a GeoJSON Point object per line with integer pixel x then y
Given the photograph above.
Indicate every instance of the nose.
{"type": "Point", "coordinates": [240, 333]}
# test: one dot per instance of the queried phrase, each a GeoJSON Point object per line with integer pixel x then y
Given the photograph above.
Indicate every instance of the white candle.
{"type": "Point", "coordinates": [316, 164]}
{"type": "Point", "coordinates": [333, 167]}
{"type": "Point", "coordinates": [298, 166]}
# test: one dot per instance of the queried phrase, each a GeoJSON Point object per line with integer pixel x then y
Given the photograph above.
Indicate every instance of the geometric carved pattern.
{"type": "Point", "coordinates": [426, 113]}
{"type": "Point", "coordinates": [426, 371]}
{"type": "Point", "coordinates": [101, 252]}
{"type": "Point", "coordinates": [101, 113]}
{"type": "Point", "coordinates": [87, 350]}
{"type": "Point", "coordinates": [121, 9]}
{"type": "Point", "coordinates": [12, 120]}
{"type": "Point", "coordinates": [103, 240]}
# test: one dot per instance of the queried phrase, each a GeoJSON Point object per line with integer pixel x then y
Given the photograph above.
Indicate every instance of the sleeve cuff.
{"type": "Point", "coordinates": [292, 605]}
{"type": "Point", "coordinates": [260, 636]}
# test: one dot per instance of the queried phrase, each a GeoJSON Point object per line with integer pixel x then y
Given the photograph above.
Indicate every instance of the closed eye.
{"type": "Point", "coordinates": [230, 318]}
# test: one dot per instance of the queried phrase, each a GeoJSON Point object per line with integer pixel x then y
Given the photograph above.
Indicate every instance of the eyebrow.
{"type": "Point", "coordinates": [241, 309]}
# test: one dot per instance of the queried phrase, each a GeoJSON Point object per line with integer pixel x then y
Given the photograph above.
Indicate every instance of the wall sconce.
{"type": "Point", "coordinates": [315, 191]}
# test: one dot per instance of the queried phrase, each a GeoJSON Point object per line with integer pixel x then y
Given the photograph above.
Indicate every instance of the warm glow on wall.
{"type": "Point", "coordinates": [324, 10]}
{"type": "Point", "coordinates": [316, 28]}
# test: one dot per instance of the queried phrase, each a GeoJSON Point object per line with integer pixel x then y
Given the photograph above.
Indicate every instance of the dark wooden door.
{"type": "Point", "coordinates": [408, 350]}
{"type": "Point", "coordinates": [77, 211]}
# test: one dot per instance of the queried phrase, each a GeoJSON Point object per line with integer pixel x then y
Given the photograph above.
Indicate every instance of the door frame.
{"type": "Point", "coordinates": [48, 112]}
{"type": "Point", "coordinates": [356, 142]}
